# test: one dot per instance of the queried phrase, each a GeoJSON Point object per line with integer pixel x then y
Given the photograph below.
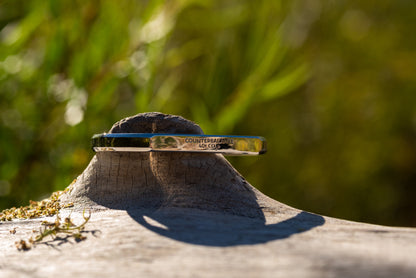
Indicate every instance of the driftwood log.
{"type": "Point", "coordinates": [193, 215]}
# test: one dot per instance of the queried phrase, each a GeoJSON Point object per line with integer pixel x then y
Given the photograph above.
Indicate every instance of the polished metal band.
{"type": "Point", "coordinates": [146, 142]}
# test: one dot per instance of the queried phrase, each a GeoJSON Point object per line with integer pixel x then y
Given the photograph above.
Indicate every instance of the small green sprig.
{"type": "Point", "coordinates": [53, 229]}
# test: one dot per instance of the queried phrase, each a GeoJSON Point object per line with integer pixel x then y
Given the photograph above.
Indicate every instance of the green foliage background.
{"type": "Point", "coordinates": [331, 86]}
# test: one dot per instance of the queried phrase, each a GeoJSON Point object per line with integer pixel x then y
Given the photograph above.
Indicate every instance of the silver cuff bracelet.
{"type": "Point", "coordinates": [146, 142]}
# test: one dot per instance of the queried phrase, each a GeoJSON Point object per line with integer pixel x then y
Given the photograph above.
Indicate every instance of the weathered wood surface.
{"type": "Point", "coordinates": [193, 215]}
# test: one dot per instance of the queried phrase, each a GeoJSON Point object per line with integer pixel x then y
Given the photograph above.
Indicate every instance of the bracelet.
{"type": "Point", "coordinates": [147, 142]}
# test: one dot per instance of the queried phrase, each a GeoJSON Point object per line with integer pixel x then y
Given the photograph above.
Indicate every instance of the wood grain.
{"type": "Point", "coordinates": [194, 215]}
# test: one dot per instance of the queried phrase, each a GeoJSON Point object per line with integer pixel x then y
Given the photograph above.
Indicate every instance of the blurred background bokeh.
{"type": "Point", "coordinates": [330, 84]}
